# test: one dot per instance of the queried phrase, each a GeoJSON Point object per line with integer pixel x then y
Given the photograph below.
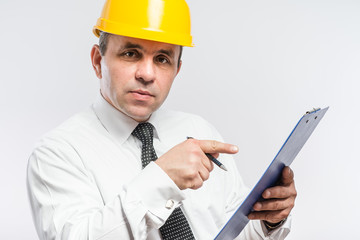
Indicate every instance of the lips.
{"type": "Point", "coordinates": [142, 92]}
{"type": "Point", "coordinates": [141, 95]}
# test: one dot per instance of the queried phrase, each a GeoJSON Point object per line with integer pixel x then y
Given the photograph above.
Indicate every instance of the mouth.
{"type": "Point", "coordinates": [142, 92]}
{"type": "Point", "coordinates": [141, 95]}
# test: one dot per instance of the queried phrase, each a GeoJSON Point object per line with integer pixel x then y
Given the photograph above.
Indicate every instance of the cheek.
{"type": "Point", "coordinates": [164, 89]}
{"type": "Point", "coordinates": [111, 86]}
{"type": "Point", "coordinates": [105, 81]}
{"type": "Point", "coordinates": [166, 83]}
{"type": "Point", "coordinates": [117, 78]}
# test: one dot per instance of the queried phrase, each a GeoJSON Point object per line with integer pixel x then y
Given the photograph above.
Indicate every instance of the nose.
{"type": "Point", "coordinates": [145, 72]}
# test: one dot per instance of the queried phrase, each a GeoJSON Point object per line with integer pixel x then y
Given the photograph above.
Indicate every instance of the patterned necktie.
{"type": "Point", "coordinates": [176, 226]}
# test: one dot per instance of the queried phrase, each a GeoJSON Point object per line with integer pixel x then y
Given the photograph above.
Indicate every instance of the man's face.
{"type": "Point", "coordinates": [136, 75]}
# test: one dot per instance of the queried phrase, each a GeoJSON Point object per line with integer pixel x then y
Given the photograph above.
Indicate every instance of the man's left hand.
{"type": "Point", "coordinates": [278, 201]}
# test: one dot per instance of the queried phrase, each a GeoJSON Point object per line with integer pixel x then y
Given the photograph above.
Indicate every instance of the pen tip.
{"type": "Point", "coordinates": [223, 167]}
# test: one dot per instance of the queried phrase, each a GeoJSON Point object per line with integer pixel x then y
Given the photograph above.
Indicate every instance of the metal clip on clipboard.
{"type": "Point", "coordinates": [313, 110]}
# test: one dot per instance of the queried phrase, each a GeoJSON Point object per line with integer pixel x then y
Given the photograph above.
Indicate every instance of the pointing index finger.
{"type": "Point", "coordinates": [212, 146]}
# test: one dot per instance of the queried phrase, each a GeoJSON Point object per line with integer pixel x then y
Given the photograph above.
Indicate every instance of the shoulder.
{"type": "Point", "coordinates": [82, 125]}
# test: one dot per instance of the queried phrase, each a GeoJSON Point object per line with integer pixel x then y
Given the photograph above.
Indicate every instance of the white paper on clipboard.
{"type": "Point", "coordinates": [292, 146]}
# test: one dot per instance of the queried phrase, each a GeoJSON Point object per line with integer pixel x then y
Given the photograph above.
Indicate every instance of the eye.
{"type": "Point", "coordinates": [130, 54]}
{"type": "Point", "coordinates": [162, 59]}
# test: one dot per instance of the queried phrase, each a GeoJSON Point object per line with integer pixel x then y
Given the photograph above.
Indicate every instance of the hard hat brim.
{"type": "Point", "coordinates": [104, 25]}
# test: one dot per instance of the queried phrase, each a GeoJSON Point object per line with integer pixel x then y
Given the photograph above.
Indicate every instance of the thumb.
{"type": "Point", "coordinates": [287, 176]}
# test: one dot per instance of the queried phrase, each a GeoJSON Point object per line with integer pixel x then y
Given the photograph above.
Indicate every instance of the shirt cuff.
{"type": "Point", "coordinates": [157, 192]}
{"type": "Point", "coordinates": [279, 233]}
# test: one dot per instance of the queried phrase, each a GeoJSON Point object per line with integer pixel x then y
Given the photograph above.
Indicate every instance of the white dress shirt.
{"type": "Point", "coordinates": [85, 181]}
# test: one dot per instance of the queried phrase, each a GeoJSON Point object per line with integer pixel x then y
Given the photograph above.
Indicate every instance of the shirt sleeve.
{"type": "Point", "coordinates": [67, 203]}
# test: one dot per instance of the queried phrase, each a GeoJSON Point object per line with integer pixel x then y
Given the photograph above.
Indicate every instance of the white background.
{"type": "Point", "coordinates": [257, 66]}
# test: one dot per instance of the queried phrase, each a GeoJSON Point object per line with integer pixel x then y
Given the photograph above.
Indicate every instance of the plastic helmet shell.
{"type": "Point", "coordinates": [165, 21]}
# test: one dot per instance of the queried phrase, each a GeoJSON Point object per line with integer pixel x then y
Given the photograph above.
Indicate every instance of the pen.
{"type": "Point", "coordinates": [214, 160]}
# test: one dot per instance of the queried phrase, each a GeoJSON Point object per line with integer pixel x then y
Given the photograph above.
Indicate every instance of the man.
{"type": "Point", "coordinates": [124, 169]}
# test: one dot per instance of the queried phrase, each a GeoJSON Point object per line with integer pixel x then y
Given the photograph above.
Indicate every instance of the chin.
{"type": "Point", "coordinates": [140, 116]}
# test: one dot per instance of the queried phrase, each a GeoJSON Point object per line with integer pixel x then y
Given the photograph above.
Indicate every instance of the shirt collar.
{"type": "Point", "coordinates": [117, 123]}
{"type": "Point", "coordinates": [156, 120]}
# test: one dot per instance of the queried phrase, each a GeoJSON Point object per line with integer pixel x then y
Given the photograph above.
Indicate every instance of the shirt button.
{"type": "Point", "coordinates": [169, 204]}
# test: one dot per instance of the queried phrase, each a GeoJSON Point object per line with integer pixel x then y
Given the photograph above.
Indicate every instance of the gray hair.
{"type": "Point", "coordinates": [103, 41]}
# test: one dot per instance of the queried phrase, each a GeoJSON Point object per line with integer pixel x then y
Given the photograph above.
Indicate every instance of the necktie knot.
{"type": "Point", "coordinates": [145, 133]}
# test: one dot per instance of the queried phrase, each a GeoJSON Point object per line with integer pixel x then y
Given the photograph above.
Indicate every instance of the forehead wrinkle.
{"type": "Point", "coordinates": [128, 45]}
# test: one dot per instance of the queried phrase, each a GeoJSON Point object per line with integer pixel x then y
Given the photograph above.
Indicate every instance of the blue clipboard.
{"type": "Point", "coordinates": [292, 146]}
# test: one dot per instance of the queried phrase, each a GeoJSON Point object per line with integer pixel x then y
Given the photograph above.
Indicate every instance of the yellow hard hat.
{"type": "Point", "coordinates": [165, 21]}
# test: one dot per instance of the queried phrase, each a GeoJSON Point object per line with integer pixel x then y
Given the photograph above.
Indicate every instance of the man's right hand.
{"type": "Point", "coordinates": [188, 166]}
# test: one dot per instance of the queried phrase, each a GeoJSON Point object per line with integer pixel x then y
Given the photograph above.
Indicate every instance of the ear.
{"type": "Point", "coordinates": [178, 70]}
{"type": "Point", "coordinates": [96, 60]}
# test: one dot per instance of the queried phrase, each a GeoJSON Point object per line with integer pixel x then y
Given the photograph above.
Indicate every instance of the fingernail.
{"type": "Point", "coordinates": [234, 148]}
{"type": "Point", "coordinates": [266, 194]}
{"type": "Point", "coordinates": [257, 206]}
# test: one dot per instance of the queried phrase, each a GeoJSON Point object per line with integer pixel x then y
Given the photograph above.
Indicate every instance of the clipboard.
{"type": "Point", "coordinates": [289, 150]}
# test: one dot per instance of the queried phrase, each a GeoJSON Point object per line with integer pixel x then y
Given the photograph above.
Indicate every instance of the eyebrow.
{"type": "Point", "coordinates": [169, 52]}
{"type": "Point", "coordinates": [128, 45]}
